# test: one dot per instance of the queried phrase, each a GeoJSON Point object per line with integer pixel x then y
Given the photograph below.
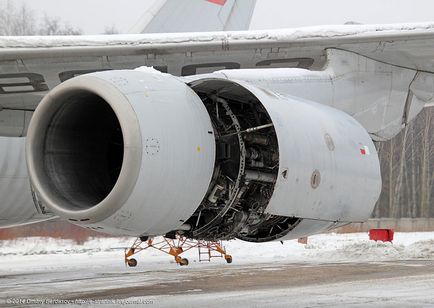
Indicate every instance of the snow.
{"type": "Point", "coordinates": [46, 268]}
{"type": "Point", "coordinates": [259, 36]}
{"type": "Point", "coordinates": [411, 292]}
{"type": "Point", "coordinates": [332, 247]}
{"type": "Point", "coordinates": [149, 70]}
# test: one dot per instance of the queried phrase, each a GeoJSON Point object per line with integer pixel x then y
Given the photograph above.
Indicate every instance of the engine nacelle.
{"type": "Point", "coordinates": [143, 153]}
{"type": "Point", "coordinates": [305, 167]}
{"type": "Point", "coordinates": [123, 152]}
{"type": "Point", "coordinates": [328, 165]}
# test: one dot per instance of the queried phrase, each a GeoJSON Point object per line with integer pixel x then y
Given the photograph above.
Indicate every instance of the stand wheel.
{"type": "Point", "coordinates": [228, 258]}
{"type": "Point", "coordinates": [183, 262]}
{"type": "Point", "coordinates": [132, 262]}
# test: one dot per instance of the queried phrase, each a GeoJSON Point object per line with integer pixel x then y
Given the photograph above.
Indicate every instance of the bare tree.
{"type": "Point", "coordinates": [22, 21]}
{"type": "Point", "coordinates": [6, 17]}
{"type": "Point", "coordinates": [111, 30]}
{"type": "Point", "coordinates": [407, 167]}
{"type": "Point", "coordinates": [53, 26]}
{"type": "Point", "coordinates": [427, 154]}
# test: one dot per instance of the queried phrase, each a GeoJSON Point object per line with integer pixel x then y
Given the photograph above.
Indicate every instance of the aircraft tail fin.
{"type": "Point", "coordinates": [166, 16]}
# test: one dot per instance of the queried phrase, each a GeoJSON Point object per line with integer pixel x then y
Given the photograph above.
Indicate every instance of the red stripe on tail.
{"type": "Point", "coordinates": [219, 2]}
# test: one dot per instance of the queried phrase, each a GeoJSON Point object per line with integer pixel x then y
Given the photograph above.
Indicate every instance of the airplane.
{"type": "Point", "coordinates": [255, 135]}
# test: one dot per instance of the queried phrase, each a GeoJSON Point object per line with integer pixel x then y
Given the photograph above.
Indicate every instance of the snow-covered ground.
{"type": "Point", "coordinates": [51, 268]}
{"type": "Point", "coordinates": [330, 247]}
{"type": "Point", "coordinates": [410, 292]}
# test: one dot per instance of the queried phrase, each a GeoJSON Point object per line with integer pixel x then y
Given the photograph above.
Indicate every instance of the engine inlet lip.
{"type": "Point", "coordinates": [130, 127]}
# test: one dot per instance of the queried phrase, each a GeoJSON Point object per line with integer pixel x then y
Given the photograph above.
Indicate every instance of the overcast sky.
{"type": "Point", "coordinates": [92, 16]}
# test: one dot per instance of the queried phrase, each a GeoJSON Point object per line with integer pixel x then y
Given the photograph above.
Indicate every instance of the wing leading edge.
{"type": "Point", "coordinates": [29, 67]}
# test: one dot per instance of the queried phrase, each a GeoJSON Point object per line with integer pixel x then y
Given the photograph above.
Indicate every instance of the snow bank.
{"type": "Point", "coordinates": [320, 248]}
{"type": "Point", "coordinates": [46, 245]}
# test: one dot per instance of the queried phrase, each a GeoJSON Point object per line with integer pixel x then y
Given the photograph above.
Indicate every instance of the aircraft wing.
{"type": "Point", "coordinates": [30, 66]}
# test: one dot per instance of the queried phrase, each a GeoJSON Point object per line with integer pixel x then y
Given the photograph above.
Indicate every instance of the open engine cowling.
{"type": "Point", "coordinates": [143, 153]}
{"type": "Point", "coordinates": [307, 167]}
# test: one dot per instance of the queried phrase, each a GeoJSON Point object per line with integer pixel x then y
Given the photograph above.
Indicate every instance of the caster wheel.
{"type": "Point", "coordinates": [228, 259]}
{"type": "Point", "coordinates": [183, 262]}
{"type": "Point", "coordinates": [132, 262]}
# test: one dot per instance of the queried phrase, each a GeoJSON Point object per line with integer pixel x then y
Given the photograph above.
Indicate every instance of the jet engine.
{"type": "Point", "coordinates": [145, 153]}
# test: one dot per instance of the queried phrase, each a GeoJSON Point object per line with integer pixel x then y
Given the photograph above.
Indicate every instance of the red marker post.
{"type": "Point", "coordinates": [383, 235]}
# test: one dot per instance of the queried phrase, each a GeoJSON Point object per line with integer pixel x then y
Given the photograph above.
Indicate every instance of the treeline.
{"type": "Point", "coordinates": [23, 21]}
{"type": "Point", "coordinates": [407, 163]}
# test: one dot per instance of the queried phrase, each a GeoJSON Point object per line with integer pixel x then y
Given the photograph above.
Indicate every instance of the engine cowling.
{"type": "Point", "coordinates": [145, 153]}
{"type": "Point", "coordinates": [123, 152]}
{"type": "Point", "coordinates": [307, 167]}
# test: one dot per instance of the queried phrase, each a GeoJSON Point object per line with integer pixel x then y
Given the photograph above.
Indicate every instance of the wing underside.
{"type": "Point", "coordinates": [30, 66]}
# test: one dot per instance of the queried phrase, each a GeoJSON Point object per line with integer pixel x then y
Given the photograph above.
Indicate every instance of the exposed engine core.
{"type": "Point", "coordinates": [144, 153]}
{"type": "Point", "coordinates": [280, 160]}
{"type": "Point", "coordinates": [247, 165]}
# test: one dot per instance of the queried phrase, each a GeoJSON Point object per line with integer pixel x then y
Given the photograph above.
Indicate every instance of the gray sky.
{"type": "Point", "coordinates": [287, 13]}
{"type": "Point", "coordinates": [92, 16]}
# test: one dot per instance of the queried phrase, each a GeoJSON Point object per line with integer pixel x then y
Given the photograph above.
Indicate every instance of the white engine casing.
{"type": "Point", "coordinates": [163, 122]}
{"type": "Point", "coordinates": [319, 141]}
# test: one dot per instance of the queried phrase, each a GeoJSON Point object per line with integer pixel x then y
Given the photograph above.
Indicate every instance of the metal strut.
{"type": "Point", "coordinates": [175, 247]}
